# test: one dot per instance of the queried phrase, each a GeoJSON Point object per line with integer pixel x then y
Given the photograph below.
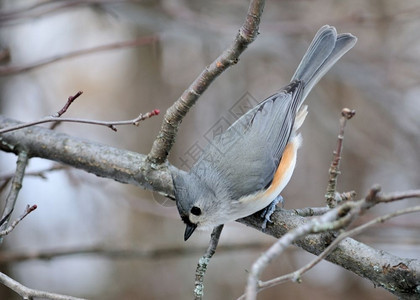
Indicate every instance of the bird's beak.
{"type": "Point", "coordinates": [189, 231]}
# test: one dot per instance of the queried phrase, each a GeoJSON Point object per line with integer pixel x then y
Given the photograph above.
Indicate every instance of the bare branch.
{"type": "Point", "coordinates": [376, 197]}
{"type": "Point", "coordinates": [21, 164]}
{"type": "Point", "coordinates": [104, 161]}
{"type": "Point", "coordinates": [110, 124]}
{"type": "Point", "coordinates": [174, 115]}
{"type": "Point", "coordinates": [295, 276]}
{"type": "Point", "coordinates": [66, 106]}
{"type": "Point", "coordinates": [47, 7]}
{"type": "Point", "coordinates": [9, 229]}
{"type": "Point", "coordinates": [40, 173]}
{"type": "Point", "coordinates": [204, 262]}
{"type": "Point", "coordinates": [322, 223]}
{"type": "Point", "coordinates": [57, 118]}
{"type": "Point", "coordinates": [10, 70]}
{"type": "Point", "coordinates": [28, 293]}
{"type": "Point", "coordinates": [336, 218]}
{"type": "Point", "coordinates": [122, 253]}
{"type": "Point", "coordinates": [332, 196]}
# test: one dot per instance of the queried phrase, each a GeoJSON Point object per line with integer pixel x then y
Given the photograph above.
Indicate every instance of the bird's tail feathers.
{"type": "Point", "coordinates": [325, 50]}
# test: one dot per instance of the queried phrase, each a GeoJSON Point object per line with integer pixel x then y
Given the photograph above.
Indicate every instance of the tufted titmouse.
{"type": "Point", "coordinates": [244, 169]}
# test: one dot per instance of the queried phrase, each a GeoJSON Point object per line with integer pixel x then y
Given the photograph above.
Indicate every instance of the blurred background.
{"type": "Point", "coordinates": [79, 213]}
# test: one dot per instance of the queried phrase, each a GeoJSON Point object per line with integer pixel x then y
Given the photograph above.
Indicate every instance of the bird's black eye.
{"type": "Point", "coordinates": [196, 211]}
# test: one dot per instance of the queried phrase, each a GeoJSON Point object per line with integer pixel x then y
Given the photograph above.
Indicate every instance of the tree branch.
{"type": "Point", "coordinates": [21, 164]}
{"type": "Point", "coordinates": [28, 293]}
{"type": "Point", "coordinates": [326, 222]}
{"type": "Point", "coordinates": [332, 196]}
{"type": "Point", "coordinates": [335, 219]}
{"type": "Point", "coordinates": [174, 115]}
{"type": "Point", "coordinates": [157, 253]}
{"type": "Point", "coordinates": [47, 7]}
{"type": "Point", "coordinates": [381, 268]}
{"type": "Point", "coordinates": [101, 160]}
{"type": "Point", "coordinates": [9, 229]}
{"type": "Point", "coordinates": [296, 275]}
{"type": "Point", "coordinates": [40, 173]}
{"type": "Point", "coordinates": [110, 124]}
{"type": "Point", "coordinates": [11, 70]}
{"type": "Point", "coordinates": [56, 118]}
{"type": "Point", "coordinates": [204, 262]}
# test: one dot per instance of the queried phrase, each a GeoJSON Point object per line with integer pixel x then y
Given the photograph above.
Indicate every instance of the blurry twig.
{"type": "Point", "coordinates": [332, 196]}
{"type": "Point", "coordinates": [28, 293]}
{"type": "Point", "coordinates": [9, 229]}
{"type": "Point", "coordinates": [10, 70]}
{"type": "Point", "coordinates": [57, 118]}
{"type": "Point", "coordinates": [122, 253]}
{"type": "Point", "coordinates": [21, 164]}
{"type": "Point", "coordinates": [204, 262]}
{"type": "Point", "coordinates": [4, 55]}
{"type": "Point", "coordinates": [174, 115]}
{"type": "Point", "coordinates": [40, 173]}
{"type": "Point", "coordinates": [46, 7]}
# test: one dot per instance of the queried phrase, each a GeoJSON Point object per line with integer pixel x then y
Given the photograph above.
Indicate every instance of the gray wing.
{"type": "Point", "coordinates": [245, 157]}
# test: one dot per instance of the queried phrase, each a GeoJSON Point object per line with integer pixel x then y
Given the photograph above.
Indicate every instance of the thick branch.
{"type": "Point", "coordinates": [101, 160]}
{"type": "Point", "coordinates": [174, 115]}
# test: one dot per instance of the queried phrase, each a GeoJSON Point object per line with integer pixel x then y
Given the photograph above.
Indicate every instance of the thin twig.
{"type": "Point", "coordinates": [66, 106]}
{"type": "Point", "coordinates": [10, 70]}
{"type": "Point", "coordinates": [57, 118]}
{"type": "Point", "coordinates": [21, 164]}
{"type": "Point", "coordinates": [9, 229]}
{"type": "Point", "coordinates": [204, 262]}
{"type": "Point", "coordinates": [391, 197]}
{"type": "Point", "coordinates": [40, 173]}
{"type": "Point", "coordinates": [47, 7]}
{"type": "Point", "coordinates": [152, 253]}
{"type": "Point", "coordinates": [332, 196]}
{"type": "Point", "coordinates": [28, 293]}
{"type": "Point", "coordinates": [174, 115]}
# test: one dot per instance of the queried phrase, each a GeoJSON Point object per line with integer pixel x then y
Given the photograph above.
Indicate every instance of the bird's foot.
{"type": "Point", "coordinates": [269, 210]}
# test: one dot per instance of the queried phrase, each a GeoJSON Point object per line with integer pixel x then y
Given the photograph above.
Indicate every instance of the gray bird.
{"type": "Point", "coordinates": [244, 169]}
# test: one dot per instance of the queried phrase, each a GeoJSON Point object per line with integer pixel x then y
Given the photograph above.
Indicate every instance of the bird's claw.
{"type": "Point", "coordinates": [269, 210]}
